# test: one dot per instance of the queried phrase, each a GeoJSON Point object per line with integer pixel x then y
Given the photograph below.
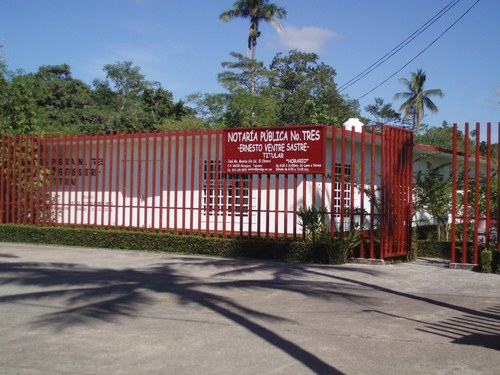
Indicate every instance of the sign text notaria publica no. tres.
{"type": "Point", "coordinates": [297, 149]}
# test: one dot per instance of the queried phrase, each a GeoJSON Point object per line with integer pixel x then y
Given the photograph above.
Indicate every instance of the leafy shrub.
{"type": "Point", "coordinates": [290, 251]}
{"type": "Point", "coordinates": [486, 261]}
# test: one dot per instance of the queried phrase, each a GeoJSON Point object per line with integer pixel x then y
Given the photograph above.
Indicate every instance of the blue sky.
{"type": "Point", "coordinates": [182, 44]}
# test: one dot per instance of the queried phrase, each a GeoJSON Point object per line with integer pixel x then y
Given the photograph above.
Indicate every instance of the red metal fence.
{"type": "Point", "coordinates": [475, 200]}
{"type": "Point", "coordinates": [173, 181]}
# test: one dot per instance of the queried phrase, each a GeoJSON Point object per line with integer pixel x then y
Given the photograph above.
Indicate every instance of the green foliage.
{"type": "Point", "coordinates": [432, 193]}
{"type": "Point", "coordinates": [17, 108]}
{"type": "Point", "coordinates": [23, 177]}
{"type": "Point", "coordinates": [440, 137]}
{"type": "Point", "coordinates": [342, 246]}
{"type": "Point", "coordinates": [383, 114]}
{"type": "Point", "coordinates": [290, 251]}
{"type": "Point", "coordinates": [432, 249]}
{"type": "Point", "coordinates": [245, 74]}
{"type": "Point", "coordinates": [314, 223]}
{"type": "Point", "coordinates": [486, 261]}
{"type": "Point", "coordinates": [247, 110]}
{"type": "Point", "coordinates": [316, 228]}
{"type": "Point", "coordinates": [417, 99]}
{"type": "Point", "coordinates": [306, 92]}
{"type": "Point", "coordinates": [256, 11]}
{"type": "Point", "coordinates": [51, 100]}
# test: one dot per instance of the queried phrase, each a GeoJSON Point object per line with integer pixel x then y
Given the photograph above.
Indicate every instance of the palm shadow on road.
{"type": "Point", "coordinates": [92, 295]}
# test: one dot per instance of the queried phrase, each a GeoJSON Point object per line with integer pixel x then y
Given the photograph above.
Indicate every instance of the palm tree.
{"type": "Point", "coordinates": [257, 11]}
{"type": "Point", "coordinates": [417, 99]}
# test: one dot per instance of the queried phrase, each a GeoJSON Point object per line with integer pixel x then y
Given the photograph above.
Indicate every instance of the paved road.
{"type": "Point", "coordinates": [91, 311]}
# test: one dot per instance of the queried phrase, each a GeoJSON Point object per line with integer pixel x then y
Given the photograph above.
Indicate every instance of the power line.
{"type": "Point", "coordinates": [421, 52]}
{"type": "Point", "coordinates": [399, 47]}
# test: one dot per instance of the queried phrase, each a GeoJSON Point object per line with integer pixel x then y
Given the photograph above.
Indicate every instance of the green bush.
{"type": "Point", "coordinates": [290, 251]}
{"type": "Point", "coordinates": [432, 249]}
{"type": "Point", "coordinates": [486, 261]}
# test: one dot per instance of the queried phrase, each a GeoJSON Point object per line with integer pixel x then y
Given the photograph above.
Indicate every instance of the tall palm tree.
{"type": "Point", "coordinates": [257, 11]}
{"type": "Point", "coordinates": [417, 99]}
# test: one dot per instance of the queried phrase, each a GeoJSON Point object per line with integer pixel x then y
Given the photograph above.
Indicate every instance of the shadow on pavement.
{"type": "Point", "coordinates": [92, 295]}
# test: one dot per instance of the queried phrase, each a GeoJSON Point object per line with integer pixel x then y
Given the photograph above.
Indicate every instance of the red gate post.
{"type": "Point", "coordinates": [477, 196]}
{"type": "Point", "coordinates": [465, 216]}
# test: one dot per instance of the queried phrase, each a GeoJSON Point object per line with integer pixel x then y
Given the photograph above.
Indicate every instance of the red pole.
{"type": "Point", "coordinates": [277, 202]}
{"type": "Point", "coordinates": [285, 203]}
{"type": "Point", "coordinates": [29, 169]}
{"type": "Point", "coordinates": [132, 137]}
{"type": "Point", "coordinates": [200, 180]}
{"type": "Point", "coordinates": [140, 221]}
{"type": "Point", "coordinates": [217, 191]}
{"type": "Point", "coordinates": [488, 182]}
{"type": "Point", "coordinates": [362, 192]}
{"type": "Point", "coordinates": [342, 183]}
{"type": "Point", "coordinates": [153, 182]}
{"type": "Point", "coordinates": [333, 172]}
{"type": "Point", "coordinates": [116, 170]}
{"type": "Point", "coordinates": [477, 195]}
{"type": "Point", "coordinates": [169, 175]}
{"type": "Point", "coordinates": [268, 198]}
{"type": "Point", "coordinates": [47, 178]}
{"type": "Point", "coordinates": [81, 170]}
{"type": "Point", "coordinates": [90, 174]}
{"type": "Point", "coordinates": [184, 180]}
{"type": "Point", "coordinates": [110, 140]}
{"type": "Point", "coordinates": [106, 149]}
{"type": "Point", "coordinates": [73, 177]}
{"type": "Point", "coordinates": [124, 178]}
{"type": "Point", "coordinates": [259, 203]}
{"type": "Point", "coordinates": [295, 208]}
{"type": "Point", "coordinates": [410, 192]}
{"type": "Point", "coordinates": [96, 163]}
{"type": "Point", "coordinates": [52, 165]}
{"type": "Point", "coordinates": [193, 155]}
{"type": "Point", "coordinates": [162, 177]}
{"type": "Point", "coordinates": [353, 178]}
{"type": "Point", "coordinates": [373, 197]}
{"type": "Point", "coordinates": [454, 196]}
{"type": "Point", "coordinates": [466, 192]}
{"type": "Point", "coordinates": [208, 179]}
{"type": "Point", "coordinates": [147, 138]}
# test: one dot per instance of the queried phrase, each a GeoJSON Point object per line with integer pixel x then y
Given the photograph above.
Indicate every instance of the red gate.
{"type": "Point", "coordinates": [396, 192]}
{"type": "Point", "coordinates": [475, 214]}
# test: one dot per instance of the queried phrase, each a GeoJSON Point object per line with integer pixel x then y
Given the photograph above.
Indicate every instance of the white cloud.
{"type": "Point", "coordinates": [306, 39]}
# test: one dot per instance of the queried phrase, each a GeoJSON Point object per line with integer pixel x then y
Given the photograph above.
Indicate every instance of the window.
{"type": "Point", "coordinates": [338, 200]}
{"type": "Point", "coordinates": [237, 194]}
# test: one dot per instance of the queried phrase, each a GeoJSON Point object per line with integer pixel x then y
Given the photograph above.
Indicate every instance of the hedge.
{"type": "Point", "coordinates": [290, 251]}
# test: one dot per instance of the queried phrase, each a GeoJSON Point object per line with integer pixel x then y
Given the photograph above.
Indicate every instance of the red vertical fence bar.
{"type": "Point", "coordinates": [362, 192]}
{"type": "Point", "coordinates": [373, 195]}
{"type": "Point", "coordinates": [200, 180]}
{"type": "Point", "coordinates": [488, 184]}
{"type": "Point", "coordinates": [465, 215]}
{"type": "Point", "coordinates": [477, 177]}
{"type": "Point", "coordinates": [454, 196]}
{"type": "Point", "coordinates": [116, 170]}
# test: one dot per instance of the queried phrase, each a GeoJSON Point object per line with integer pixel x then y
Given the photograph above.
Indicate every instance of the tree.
{"type": "Point", "coordinates": [257, 11]}
{"type": "Point", "coordinates": [441, 137]}
{"type": "Point", "coordinates": [245, 73]}
{"type": "Point", "coordinates": [383, 114]}
{"type": "Point", "coordinates": [247, 110]}
{"type": "Point", "coordinates": [18, 109]}
{"type": "Point", "coordinates": [416, 98]}
{"type": "Point", "coordinates": [432, 191]}
{"type": "Point", "coordinates": [306, 91]}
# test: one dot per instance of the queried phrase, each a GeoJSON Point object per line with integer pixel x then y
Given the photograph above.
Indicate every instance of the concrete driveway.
{"type": "Point", "coordinates": [92, 311]}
